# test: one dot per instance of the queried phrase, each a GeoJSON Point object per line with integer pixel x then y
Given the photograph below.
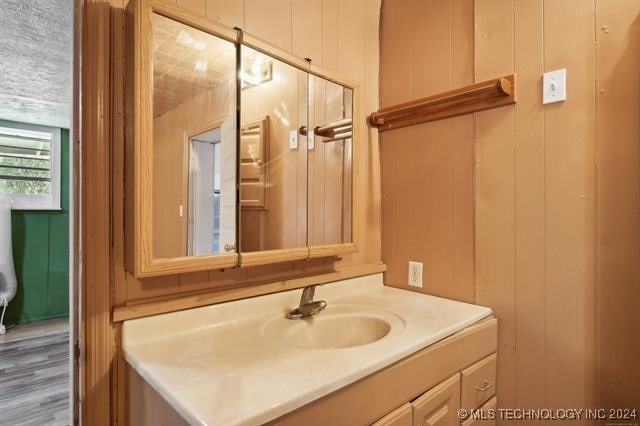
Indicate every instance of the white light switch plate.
{"type": "Point", "coordinates": [293, 139]}
{"type": "Point", "coordinates": [554, 86]}
{"type": "Point", "coordinates": [415, 274]}
{"type": "Point", "coordinates": [311, 141]}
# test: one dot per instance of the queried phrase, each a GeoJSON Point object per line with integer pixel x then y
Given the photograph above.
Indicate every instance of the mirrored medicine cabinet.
{"type": "Point", "coordinates": [237, 153]}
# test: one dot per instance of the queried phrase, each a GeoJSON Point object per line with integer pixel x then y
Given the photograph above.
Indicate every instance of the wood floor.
{"type": "Point", "coordinates": [34, 376]}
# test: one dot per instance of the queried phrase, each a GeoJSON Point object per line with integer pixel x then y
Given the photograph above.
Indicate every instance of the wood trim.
{"type": "Point", "coordinates": [331, 250]}
{"type": "Point", "coordinates": [401, 382]}
{"type": "Point", "coordinates": [358, 158]}
{"type": "Point", "coordinates": [212, 124]}
{"type": "Point", "coordinates": [191, 19]}
{"type": "Point", "coordinates": [76, 375]}
{"type": "Point", "coordinates": [275, 52]}
{"type": "Point", "coordinates": [123, 313]}
{"type": "Point", "coordinates": [95, 215]}
{"type": "Point", "coordinates": [333, 77]}
{"type": "Point", "coordinates": [178, 265]}
{"type": "Point", "coordinates": [476, 97]}
{"type": "Point", "coordinates": [255, 258]}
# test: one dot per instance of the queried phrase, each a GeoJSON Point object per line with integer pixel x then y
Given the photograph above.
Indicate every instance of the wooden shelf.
{"type": "Point", "coordinates": [476, 97]}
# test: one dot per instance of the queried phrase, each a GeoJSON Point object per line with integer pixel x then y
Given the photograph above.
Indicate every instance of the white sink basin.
{"type": "Point", "coordinates": [338, 326]}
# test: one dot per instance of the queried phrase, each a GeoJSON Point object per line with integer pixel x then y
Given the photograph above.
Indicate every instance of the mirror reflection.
{"type": "Point", "coordinates": [330, 162]}
{"type": "Point", "coordinates": [273, 154]}
{"type": "Point", "coordinates": [194, 139]}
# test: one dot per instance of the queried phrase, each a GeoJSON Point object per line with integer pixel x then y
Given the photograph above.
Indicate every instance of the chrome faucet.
{"type": "Point", "coordinates": [307, 306]}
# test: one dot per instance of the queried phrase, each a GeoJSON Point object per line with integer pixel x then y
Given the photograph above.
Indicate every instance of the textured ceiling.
{"type": "Point", "coordinates": [186, 62]}
{"type": "Point", "coordinates": [35, 61]}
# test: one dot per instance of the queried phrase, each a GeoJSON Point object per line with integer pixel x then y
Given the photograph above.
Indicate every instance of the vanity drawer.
{"type": "Point", "coordinates": [401, 416]}
{"type": "Point", "coordinates": [478, 383]}
{"type": "Point", "coordinates": [492, 404]}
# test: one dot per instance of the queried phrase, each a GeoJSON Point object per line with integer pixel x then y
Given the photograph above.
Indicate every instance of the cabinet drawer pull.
{"type": "Point", "coordinates": [486, 384]}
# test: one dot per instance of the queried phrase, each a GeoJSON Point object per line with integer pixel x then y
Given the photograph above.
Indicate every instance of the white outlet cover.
{"type": "Point", "coordinates": [415, 274]}
{"type": "Point", "coordinates": [293, 139]}
{"type": "Point", "coordinates": [554, 86]}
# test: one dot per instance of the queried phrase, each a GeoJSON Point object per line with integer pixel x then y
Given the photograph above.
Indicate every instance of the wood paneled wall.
{"type": "Point", "coordinates": [533, 210]}
{"type": "Point", "coordinates": [427, 170]}
{"type": "Point", "coordinates": [618, 202]}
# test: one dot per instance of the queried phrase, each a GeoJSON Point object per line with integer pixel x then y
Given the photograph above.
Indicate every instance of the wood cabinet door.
{"type": "Point", "coordinates": [438, 406]}
{"type": "Point", "coordinates": [484, 419]}
{"type": "Point", "coordinates": [401, 416]}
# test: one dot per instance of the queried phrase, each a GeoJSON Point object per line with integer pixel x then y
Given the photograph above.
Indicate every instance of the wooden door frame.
{"type": "Point", "coordinates": [92, 216]}
{"type": "Point", "coordinates": [74, 222]}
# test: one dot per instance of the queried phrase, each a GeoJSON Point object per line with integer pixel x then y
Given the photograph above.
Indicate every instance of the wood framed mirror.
{"type": "Point", "coordinates": [181, 152]}
{"type": "Point", "coordinates": [237, 153]}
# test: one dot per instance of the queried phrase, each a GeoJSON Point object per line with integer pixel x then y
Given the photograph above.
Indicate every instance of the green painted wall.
{"type": "Point", "coordinates": [41, 256]}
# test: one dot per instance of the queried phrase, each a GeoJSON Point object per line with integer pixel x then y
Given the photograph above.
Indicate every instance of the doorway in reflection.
{"type": "Point", "coordinates": [204, 190]}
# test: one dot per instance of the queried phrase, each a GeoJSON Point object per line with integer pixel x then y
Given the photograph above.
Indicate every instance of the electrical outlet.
{"type": "Point", "coordinates": [415, 274]}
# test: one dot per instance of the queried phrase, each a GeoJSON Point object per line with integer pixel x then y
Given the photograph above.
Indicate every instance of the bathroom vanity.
{"type": "Point", "coordinates": [238, 155]}
{"type": "Point", "coordinates": [375, 355]}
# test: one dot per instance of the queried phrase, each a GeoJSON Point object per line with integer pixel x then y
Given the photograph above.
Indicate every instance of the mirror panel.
{"type": "Point", "coordinates": [330, 163]}
{"type": "Point", "coordinates": [194, 141]}
{"type": "Point", "coordinates": [273, 154]}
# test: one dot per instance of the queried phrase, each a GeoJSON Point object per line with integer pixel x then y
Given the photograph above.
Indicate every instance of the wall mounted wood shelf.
{"type": "Point", "coordinates": [476, 97]}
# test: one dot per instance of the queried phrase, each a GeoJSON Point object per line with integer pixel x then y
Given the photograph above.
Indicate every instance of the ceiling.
{"type": "Point", "coordinates": [35, 65]}
{"type": "Point", "coordinates": [186, 62]}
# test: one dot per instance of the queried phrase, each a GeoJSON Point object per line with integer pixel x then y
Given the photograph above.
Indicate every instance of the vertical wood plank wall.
{"type": "Point", "coordinates": [533, 210]}
{"type": "Point", "coordinates": [427, 170]}
{"type": "Point", "coordinates": [618, 207]}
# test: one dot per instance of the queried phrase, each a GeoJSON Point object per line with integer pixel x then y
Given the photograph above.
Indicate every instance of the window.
{"type": "Point", "coordinates": [30, 165]}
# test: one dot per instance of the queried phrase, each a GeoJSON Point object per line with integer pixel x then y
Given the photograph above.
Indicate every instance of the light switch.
{"type": "Point", "coordinates": [293, 139]}
{"type": "Point", "coordinates": [311, 141]}
{"type": "Point", "coordinates": [554, 86]}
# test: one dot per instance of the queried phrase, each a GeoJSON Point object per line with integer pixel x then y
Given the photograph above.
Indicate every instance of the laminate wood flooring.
{"type": "Point", "coordinates": [34, 379]}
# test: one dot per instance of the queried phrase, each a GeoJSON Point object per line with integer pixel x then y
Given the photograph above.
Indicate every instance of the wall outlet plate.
{"type": "Point", "coordinates": [554, 86]}
{"type": "Point", "coordinates": [293, 139]}
{"type": "Point", "coordinates": [415, 274]}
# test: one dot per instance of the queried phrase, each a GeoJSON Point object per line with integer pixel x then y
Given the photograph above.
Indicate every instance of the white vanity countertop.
{"type": "Point", "coordinates": [214, 367]}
